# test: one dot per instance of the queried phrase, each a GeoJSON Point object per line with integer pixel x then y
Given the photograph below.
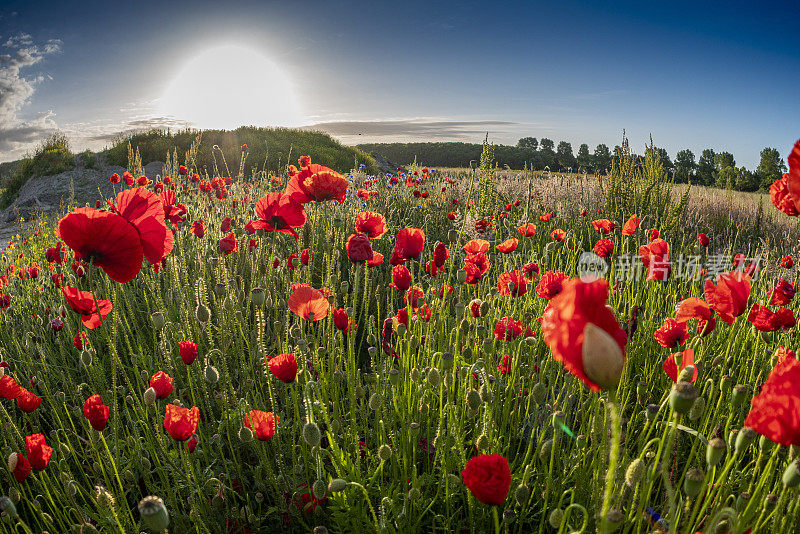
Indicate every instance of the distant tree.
{"type": "Point", "coordinates": [528, 142]}
{"type": "Point", "coordinates": [602, 159]}
{"type": "Point", "coordinates": [746, 180]}
{"type": "Point", "coordinates": [725, 172]}
{"type": "Point", "coordinates": [705, 167]}
{"type": "Point", "coordinates": [546, 145]}
{"type": "Point", "coordinates": [685, 166]}
{"type": "Point", "coordinates": [770, 168]}
{"type": "Point", "coordinates": [666, 163]}
{"type": "Point", "coordinates": [565, 157]}
{"type": "Point", "coordinates": [585, 158]}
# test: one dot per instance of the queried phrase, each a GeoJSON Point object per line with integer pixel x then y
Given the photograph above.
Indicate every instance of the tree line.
{"type": "Point", "coordinates": [717, 169]}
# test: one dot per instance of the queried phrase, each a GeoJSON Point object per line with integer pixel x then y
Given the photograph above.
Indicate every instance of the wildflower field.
{"type": "Point", "coordinates": [423, 351]}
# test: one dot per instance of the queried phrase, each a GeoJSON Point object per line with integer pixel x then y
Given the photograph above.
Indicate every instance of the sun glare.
{"type": "Point", "coordinates": [230, 86]}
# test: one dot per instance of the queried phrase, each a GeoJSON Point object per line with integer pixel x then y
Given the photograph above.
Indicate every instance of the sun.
{"type": "Point", "coordinates": [230, 86]}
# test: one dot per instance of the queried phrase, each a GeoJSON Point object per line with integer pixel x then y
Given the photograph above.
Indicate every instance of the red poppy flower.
{"type": "Point", "coordinates": [765, 320]}
{"type": "Point", "coordinates": [377, 259]}
{"type": "Point", "coordinates": [401, 278]}
{"type": "Point", "coordinates": [308, 303]}
{"type": "Point", "coordinates": [225, 225]}
{"type": "Point", "coordinates": [604, 226]}
{"type": "Point", "coordinates": [451, 216]}
{"type": "Point", "coordinates": [22, 468]}
{"type": "Point", "coordinates": [527, 230]}
{"type": "Point", "coordinates": [775, 411]}
{"type": "Point", "coordinates": [672, 333]}
{"type": "Point", "coordinates": [655, 257]}
{"type": "Point", "coordinates": [531, 270]}
{"type": "Point", "coordinates": [106, 239]}
{"type": "Point", "coordinates": [180, 422]}
{"type": "Point", "coordinates": [670, 364]}
{"type": "Point", "coordinates": [162, 384]}
{"type": "Point", "coordinates": [261, 423]}
{"type": "Point", "coordinates": [604, 248]}
{"type": "Point", "coordinates": [558, 235]}
{"type": "Point", "coordinates": [284, 367]}
{"type": "Point", "coordinates": [80, 340]}
{"type": "Point", "coordinates": [318, 183]}
{"type": "Point", "coordinates": [577, 311]}
{"type": "Point", "coordinates": [306, 256]}
{"type": "Point", "coordinates": [786, 317]}
{"type": "Point", "coordinates": [476, 266]}
{"type": "Point", "coordinates": [476, 246]}
{"type": "Point", "coordinates": [785, 192]}
{"type": "Point", "coordinates": [631, 225]}
{"type": "Point", "coordinates": [144, 210]}
{"type": "Point", "coordinates": [96, 412]}
{"type": "Point", "coordinates": [488, 477]}
{"type": "Point", "coordinates": [199, 228]}
{"type": "Point", "coordinates": [504, 367]}
{"type": "Point", "coordinates": [787, 262]}
{"type": "Point", "coordinates": [114, 178]}
{"type": "Point", "coordinates": [342, 321]}
{"type": "Point", "coordinates": [128, 177]}
{"type": "Point", "coordinates": [9, 389]}
{"type": "Point", "coordinates": [39, 452]}
{"type": "Point", "coordinates": [188, 351]}
{"type": "Point", "coordinates": [408, 245]}
{"type": "Point", "coordinates": [228, 244]}
{"type": "Point", "coordinates": [729, 296]}
{"type": "Point", "coordinates": [782, 294]}
{"type": "Point", "coordinates": [550, 284]}
{"type": "Point", "coordinates": [695, 308]}
{"type": "Point", "coordinates": [56, 254]}
{"type": "Point", "coordinates": [545, 217]}
{"type": "Point", "coordinates": [512, 283]}
{"type": "Point", "coordinates": [277, 212]}
{"type": "Point", "coordinates": [507, 329]}
{"type": "Point", "coordinates": [371, 223]}
{"type": "Point", "coordinates": [508, 246]}
{"type": "Point", "coordinates": [782, 353]}
{"type": "Point", "coordinates": [359, 248]}
{"type": "Point", "coordinates": [440, 254]}
{"type": "Point", "coordinates": [27, 401]}
{"type": "Point", "coordinates": [83, 303]}
{"type": "Point", "coordinates": [290, 263]}
{"type": "Point", "coordinates": [703, 239]}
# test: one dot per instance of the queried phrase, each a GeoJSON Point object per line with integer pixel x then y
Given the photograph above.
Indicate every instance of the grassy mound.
{"type": "Point", "coordinates": [53, 156]}
{"type": "Point", "coordinates": [268, 149]}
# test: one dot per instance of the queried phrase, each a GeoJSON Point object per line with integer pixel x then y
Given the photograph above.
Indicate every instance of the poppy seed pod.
{"type": "Point", "coordinates": [202, 313]}
{"type": "Point", "coordinates": [258, 296]}
{"type": "Point", "coordinates": [336, 485]}
{"type": "Point", "coordinates": [791, 477]}
{"type": "Point", "coordinates": [744, 439]}
{"type": "Point", "coordinates": [635, 472]}
{"type": "Point", "coordinates": [447, 360]}
{"type": "Point", "coordinates": [770, 501]}
{"type": "Point", "coordinates": [682, 397]}
{"type": "Point", "coordinates": [154, 514]}
{"type": "Point", "coordinates": [150, 396]}
{"type": "Point", "coordinates": [522, 494]}
{"type": "Point", "coordinates": [693, 482]}
{"type": "Point", "coordinates": [555, 518]}
{"type": "Point", "coordinates": [603, 360]}
{"type": "Point", "coordinates": [311, 434]}
{"type": "Point", "coordinates": [461, 276]}
{"type": "Point", "coordinates": [434, 378]}
{"type": "Point", "coordinates": [452, 235]}
{"type": "Point", "coordinates": [539, 393]}
{"type": "Point", "coordinates": [473, 400]}
{"type": "Point", "coordinates": [384, 452]}
{"type": "Point", "coordinates": [715, 451]}
{"type": "Point", "coordinates": [738, 396]}
{"type": "Point", "coordinates": [698, 408]}
{"type": "Point", "coordinates": [613, 520]}
{"type": "Point", "coordinates": [687, 373]}
{"type": "Point", "coordinates": [158, 321]}
{"type": "Point", "coordinates": [319, 488]}
{"type": "Point", "coordinates": [394, 377]}
{"type": "Point", "coordinates": [651, 412]}
{"type": "Point", "coordinates": [742, 501]}
{"type": "Point", "coordinates": [320, 529]}
{"type": "Point", "coordinates": [7, 507]}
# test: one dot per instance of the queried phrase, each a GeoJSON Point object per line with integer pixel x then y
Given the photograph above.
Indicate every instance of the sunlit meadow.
{"type": "Point", "coordinates": [427, 350]}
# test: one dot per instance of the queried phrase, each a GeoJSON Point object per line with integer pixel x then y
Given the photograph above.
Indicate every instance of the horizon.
{"type": "Point", "coordinates": [691, 76]}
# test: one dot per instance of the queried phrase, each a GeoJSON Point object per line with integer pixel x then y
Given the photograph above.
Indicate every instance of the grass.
{"type": "Point", "coordinates": [53, 156]}
{"type": "Point", "coordinates": [397, 432]}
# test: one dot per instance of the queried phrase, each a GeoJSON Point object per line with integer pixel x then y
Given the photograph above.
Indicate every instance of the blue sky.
{"type": "Point", "coordinates": [694, 75]}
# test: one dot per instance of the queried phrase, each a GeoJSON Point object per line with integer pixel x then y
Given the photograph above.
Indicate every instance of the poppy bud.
{"type": "Point", "coordinates": [555, 518]}
{"type": "Point", "coordinates": [652, 411]}
{"type": "Point", "coordinates": [483, 442]}
{"type": "Point", "coordinates": [375, 401]}
{"type": "Point", "coordinates": [744, 439]}
{"type": "Point", "coordinates": [86, 358]}
{"type": "Point", "coordinates": [311, 434]}
{"type": "Point", "coordinates": [401, 330]}
{"type": "Point", "coordinates": [791, 477]}
{"type": "Point", "coordinates": [613, 520]}
{"type": "Point", "coordinates": [158, 321]}
{"type": "Point", "coordinates": [487, 346]}
{"type": "Point", "coordinates": [319, 488]}
{"type": "Point", "coordinates": [415, 375]}
{"type": "Point", "coordinates": [603, 360]}
{"type": "Point", "coordinates": [452, 236]}
{"type": "Point", "coordinates": [7, 507]}
{"type": "Point", "coordinates": [461, 276]}
{"type": "Point", "coordinates": [539, 393]}
{"type": "Point", "coordinates": [150, 396]}
{"type": "Point", "coordinates": [12, 461]}
{"type": "Point", "coordinates": [336, 485]}
{"type": "Point", "coordinates": [258, 296]}
{"type": "Point", "coordinates": [742, 501]}
{"type": "Point", "coordinates": [486, 395]}
{"type": "Point", "coordinates": [219, 290]}
{"type": "Point", "coordinates": [154, 513]}
{"type": "Point", "coordinates": [245, 434]}
{"type": "Point", "coordinates": [522, 494]}
{"type": "Point", "coordinates": [447, 360]}
{"type": "Point", "coordinates": [687, 373]}
{"type": "Point", "coordinates": [320, 529]}
{"type": "Point", "coordinates": [715, 451]}
{"type": "Point", "coordinates": [635, 472]}
{"type": "Point", "coordinates": [738, 396]}
{"type": "Point", "coordinates": [103, 498]}
{"type": "Point", "coordinates": [434, 378]}
{"type": "Point", "coordinates": [682, 397]}
{"type": "Point", "coordinates": [765, 444]}
{"type": "Point", "coordinates": [466, 353]}
{"type": "Point", "coordinates": [693, 482]}
{"type": "Point", "coordinates": [473, 399]}
{"type": "Point", "coordinates": [384, 452]}
{"type": "Point", "coordinates": [698, 408]}
{"type": "Point", "coordinates": [202, 313]}
{"type": "Point", "coordinates": [211, 374]}
{"type": "Point", "coordinates": [394, 377]}
{"type": "Point", "coordinates": [544, 451]}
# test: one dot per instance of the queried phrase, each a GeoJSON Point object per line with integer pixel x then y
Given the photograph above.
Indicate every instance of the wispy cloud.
{"type": "Point", "coordinates": [16, 134]}
{"type": "Point", "coordinates": [411, 129]}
